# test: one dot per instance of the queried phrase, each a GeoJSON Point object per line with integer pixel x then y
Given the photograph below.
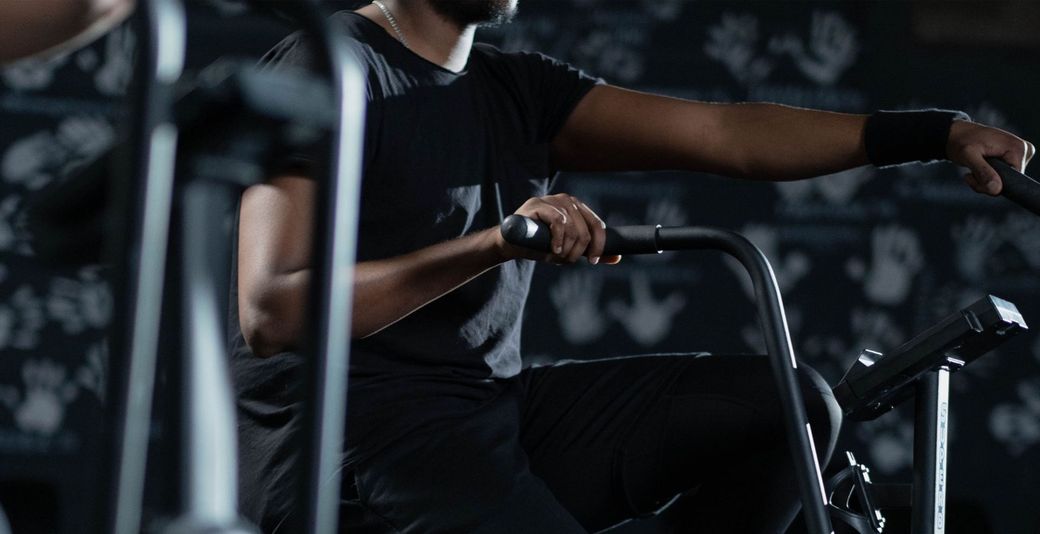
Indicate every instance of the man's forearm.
{"type": "Point", "coordinates": [774, 142]}
{"type": "Point", "coordinates": [614, 129]}
{"type": "Point", "coordinates": [385, 291]}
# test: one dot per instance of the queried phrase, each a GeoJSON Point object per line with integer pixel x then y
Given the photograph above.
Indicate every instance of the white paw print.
{"type": "Point", "coordinates": [80, 304]}
{"type": "Point", "coordinates": [47, 393]}
{"type": "Point", "coordinates": [890, 442]}
{"type": "Point", "coordinates": [1017, 424]}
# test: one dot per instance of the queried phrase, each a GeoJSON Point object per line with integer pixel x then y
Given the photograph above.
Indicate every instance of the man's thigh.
{"type": "Point", "coordinates": [616, 438]}
{"type": "Point", "coordinates": [464, 473]}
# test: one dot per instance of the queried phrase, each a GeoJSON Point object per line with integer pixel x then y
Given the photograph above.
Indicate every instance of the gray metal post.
{"type": "Point", "coordinates": [931, 423]}
{"type": "Point", "coordinates": [208, 429]}
{"type": "Point", "coordinates": [143, 203]}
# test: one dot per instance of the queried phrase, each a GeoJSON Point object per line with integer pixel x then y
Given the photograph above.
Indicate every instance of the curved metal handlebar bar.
{"type": "Point", "coordinates": [1018, 187]}
{"type": "Point", "coordinates": [525, 232]}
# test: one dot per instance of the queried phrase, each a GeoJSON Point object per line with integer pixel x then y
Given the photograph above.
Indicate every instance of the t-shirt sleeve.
{"type": "Point", "coordinates": [291, 53]}
{"type": "Point", "coordinates": [294, 55]}
{"type": "Point", "coordinates": [552, 90]}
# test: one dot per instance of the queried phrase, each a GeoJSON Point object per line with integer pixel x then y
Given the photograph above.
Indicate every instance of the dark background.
{"type": "Point", "coordinates": [865, 258]}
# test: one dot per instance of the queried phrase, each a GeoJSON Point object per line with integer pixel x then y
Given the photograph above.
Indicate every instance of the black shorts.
{"type": "Point", "coordinates": [582, 446]}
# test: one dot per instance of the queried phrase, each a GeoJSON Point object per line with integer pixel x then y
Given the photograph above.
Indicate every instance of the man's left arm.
{"type": "Point", "coordinates": [614, 129]}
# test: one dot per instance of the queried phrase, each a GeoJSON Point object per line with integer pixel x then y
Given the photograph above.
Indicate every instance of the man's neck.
{"type": "Point", "coordinates": [428, 34]}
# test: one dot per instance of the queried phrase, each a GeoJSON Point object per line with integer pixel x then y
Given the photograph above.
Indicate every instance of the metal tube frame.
{"type": "Point", "coordinates": [209, 491]}
{"type": "Point", "coordinates": [781, 356]}
{"type": "Point", "coordinates": [141, 208]}
{"type": "Point", "coordinates": [332, 288]}
{"type": "Point", "coordinates": [931, 425]}
{"type": "Point", "coordinates": [146, 193]}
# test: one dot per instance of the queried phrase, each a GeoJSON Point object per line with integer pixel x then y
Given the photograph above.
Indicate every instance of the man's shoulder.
{"type": "Point", "coordinates": [494, 53]}
{"type": "Point", "coordinates": [296, 50]}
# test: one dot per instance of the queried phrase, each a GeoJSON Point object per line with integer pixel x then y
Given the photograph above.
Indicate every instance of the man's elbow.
{"type": "Point", "coordinates": [266, 330]}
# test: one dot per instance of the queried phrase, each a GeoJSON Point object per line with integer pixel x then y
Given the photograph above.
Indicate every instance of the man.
{"type": "Point", "coordinates": [446, 433]}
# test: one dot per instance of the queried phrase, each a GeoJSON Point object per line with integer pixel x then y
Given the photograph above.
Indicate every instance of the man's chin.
{"type": "Point", "coordinates": [479, 12]}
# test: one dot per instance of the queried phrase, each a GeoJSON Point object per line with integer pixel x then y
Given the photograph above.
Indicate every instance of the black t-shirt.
{"type": "Point", "coordinates": [446, 154]}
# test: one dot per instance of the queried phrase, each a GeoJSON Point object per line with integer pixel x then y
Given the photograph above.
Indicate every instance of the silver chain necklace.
{"type": "Point", "coordinates": [393, 22]}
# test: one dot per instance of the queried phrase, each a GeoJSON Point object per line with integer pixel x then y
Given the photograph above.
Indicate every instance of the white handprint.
{"type": "Point", "coordinates": [80, 304]}
{"type": "Point", "coordinates": [875, 330]}
{"type": "Point", "coordinates": [1017, 425]}
{"type": "Point", "coordinates": [647, 320]}
{"type": "Point", "coordinates": [664, 9]}
{"type": "Point", "coordinates": [732, 42]}
{"type": "Point", "coordinates": [33, 73]}
{"type": "Point", "coordinates": [976, 240]}
{"type": "Point", "coordinates": [86, 59]}
{"type": "Point", "coordinates": [897, 258]}
{"type": "Point", "coordinates": [84, 139]}
{"type": "Point", "coordinates": [576, 298]}
{"type": "Point", "coordinates": [787, 270]}
{"type": "Point", "coordinates": [114, 75]}
{"type": "Point", "coordinates": [890, 441]}
{"type": "Point", "coordinates": [612, 56]}
{"type": "Point", "coordinates": [833, 48]}
{"type": "Point", "coordinates": [47, 393]}
{"type": "Point", "coordinates": [989, 115]}
{"type": "Point", "coordinates": [795, 191]}
{"type": "Point", "coordinates": [1023, 231]}
{"type": "Point", "coordinates": [839, 188]}
{"type": "Point", "coordinates": [28, 312]}
{"type": "Point", "coordinates": [34, 161]}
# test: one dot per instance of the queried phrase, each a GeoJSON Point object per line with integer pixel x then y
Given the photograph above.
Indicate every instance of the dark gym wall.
{"type": "Point", "coordinates": [866, 258]}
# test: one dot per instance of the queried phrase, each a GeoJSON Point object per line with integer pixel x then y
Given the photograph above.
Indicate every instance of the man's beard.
{"type": "Point", "coordinates": [480, 12]}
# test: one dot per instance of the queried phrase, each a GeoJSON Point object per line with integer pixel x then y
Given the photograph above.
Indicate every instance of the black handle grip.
{"type": "Point", "coordinates": [622, 240]}
{"type": "Point", "coordinates": [1018, 188]}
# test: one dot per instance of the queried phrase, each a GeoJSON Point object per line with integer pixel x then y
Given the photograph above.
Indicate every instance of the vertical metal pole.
{"type": "Point", "coordinates": [799, 432]}
{"type": "Point", "coordinates": [335, 246]}
{"type": "Point", "coordinates": [208, 428]}
{"type": "Point", "coordinates": [145, 199]}
{"type": "Point", "coordinates": [771, 316]}
{"type": "Point", "coordinates": [931, 423]}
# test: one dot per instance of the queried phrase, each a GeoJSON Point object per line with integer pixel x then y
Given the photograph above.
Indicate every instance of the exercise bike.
{"type": "Point", "coordinates": [872, 386]}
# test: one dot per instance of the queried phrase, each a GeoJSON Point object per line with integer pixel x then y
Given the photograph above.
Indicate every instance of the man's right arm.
{"type": "Point", "coordinates": [38, 26]}
{"type": "Point", "coordinates": [274, 262]}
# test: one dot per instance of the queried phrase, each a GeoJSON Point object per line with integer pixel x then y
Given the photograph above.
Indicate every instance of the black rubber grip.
{"type": "Point", "coordinates": [1018, 188]}
{"type": "Point", "coordinates": [622, 240]}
